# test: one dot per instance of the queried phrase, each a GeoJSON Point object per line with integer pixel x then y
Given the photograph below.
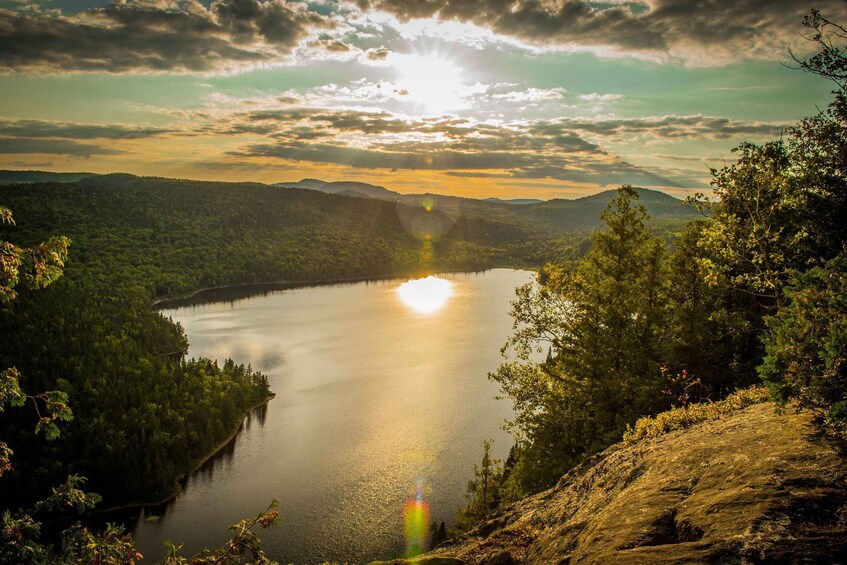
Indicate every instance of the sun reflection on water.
{"type": "Point", "coordinates": [426, 296]}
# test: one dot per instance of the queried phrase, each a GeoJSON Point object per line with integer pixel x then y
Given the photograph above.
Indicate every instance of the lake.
{"type": "Point", "coordinates": [381, 394]}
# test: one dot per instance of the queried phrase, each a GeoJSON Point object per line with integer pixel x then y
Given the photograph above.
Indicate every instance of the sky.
{"type": "Point", "coordinates": [479, 98]}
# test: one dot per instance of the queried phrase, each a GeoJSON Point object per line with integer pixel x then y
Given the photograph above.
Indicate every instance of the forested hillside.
{"type": "Point", "coordinates": [144, 415]}
{"type": "Point", "coordinates": [16, 177]}
{"type": "Point", "coordinates": [167, 237]}
{"type": "Point", "coordinates": [756, 292]}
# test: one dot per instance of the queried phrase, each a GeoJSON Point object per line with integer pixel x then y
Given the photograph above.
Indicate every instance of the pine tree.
{"type": "Point", "coordinates": [605, 321]}
{"type": "Point", "coordinates": [482, 491]}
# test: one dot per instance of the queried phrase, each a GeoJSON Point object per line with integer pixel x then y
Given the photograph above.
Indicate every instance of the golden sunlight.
{"type": "Point", "coordinates": [425, 296]}
{"type": "Point", "coordinates": [430, 80]}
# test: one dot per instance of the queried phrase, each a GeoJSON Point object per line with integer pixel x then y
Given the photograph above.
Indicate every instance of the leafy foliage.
{"type": "Point", "coordinates": [33, 267]}
{"type": "Point", "coordinates": [807, 342]}
{"type": "Point", "coordinates": [635, 326]}
{"type": "Point", "coordinates": [483, 490]}
{"type": "Point", "coordinates": [603, 321]}
{"type": "Point", "coordinates": [122, 367]}
{"type": "Point", "coordinates": [709, 333]}
{"type": "Point", "coordinates": [245, 545]}
{"type": "Point", "coordinates": [20, 535]}
{"type": "Point", "coordinates": [37, 267]}
{"type": "Point", "coordinates": [831, 60]}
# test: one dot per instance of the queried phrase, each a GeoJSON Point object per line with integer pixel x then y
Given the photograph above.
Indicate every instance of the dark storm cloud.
{"type": "Point", "coordinates": [156, 36]}
{"type": "Point", "coordinates": [19, 146]}
{"type": "Point", "coordinates": [71, 130]}
{"type": "Point", "coordinates": [714, 28]}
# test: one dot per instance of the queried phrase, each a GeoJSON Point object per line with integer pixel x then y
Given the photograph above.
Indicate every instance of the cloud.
{"type": "Point", "coordinates": [362, 158]}
{"type": "Point", "coordinates": [377, 54]}
{"type": "Point", "coordinates": [72, 130]}
{"type": "Point", "coordinates": [190, 36]}
{"type": "Point", "coordinates": [670, 127]}
{"type": "Point", "coordinates": [527, 95]}
{"type": "Point", "coordinates": [21, 136]}
{"type": "Point", "coordinates": [689, 158]}
{"type": "Point", "coordinates": [30, 164]}
{"type": "Point", "coordinates": [335, 46]}
{"type": "Point", "coordinates": [20, 146]}
{"type": "Point", "coordinates": [703, 33]}
{"type": "Point", "coordinates": [477, 99]}
{"type": "Point", "coordinates": [567, 149]}
{"type": "Point", "coordinates": [158, 36]}
{"type": "Point", "coordinates": [594, 167]}
{"type": "Point", "coordinates": [600, 98]}
{"type": "Point", "coordinates": [454, 145]}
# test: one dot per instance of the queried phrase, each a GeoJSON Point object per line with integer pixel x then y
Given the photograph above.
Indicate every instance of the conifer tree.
{"type": "Point", "coordinates": [605, 322]}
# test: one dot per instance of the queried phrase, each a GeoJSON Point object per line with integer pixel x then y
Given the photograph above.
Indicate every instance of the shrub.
{"type": "Point", "coordinates": [683, 417]}
{"type": "Point", "coordinates": [806, 342]}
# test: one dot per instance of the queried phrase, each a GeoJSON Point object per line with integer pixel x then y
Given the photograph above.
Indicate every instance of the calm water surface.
{"type": "Point", "coordinates": [379, 390]}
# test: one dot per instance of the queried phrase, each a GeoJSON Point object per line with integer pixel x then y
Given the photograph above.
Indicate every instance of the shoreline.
{"type": "Point", "coordinates": [162, 303]}
{"type": "Point", "coordinates": [173, 301]}
{"type": "Point", "coordinates": [199, 465]}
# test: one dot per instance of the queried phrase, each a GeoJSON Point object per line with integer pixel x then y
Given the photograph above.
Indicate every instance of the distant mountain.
{"type": "Point", "coordinates": [583, 213]}
{"type": "Point", "coordinates": [547, 217]}
{"type": "Point", "coordinates": [514, 200]}
{"type": "Point", "coordinates": [556, 215]}
{"type": "Point", "coordinates": [16, 177]}
{"type": "Point", "coordinates": [311, 184]}
{"type": "Point", "coordinates": [552, 216]}
{"type": "Point", "coordinates": [346, 188]}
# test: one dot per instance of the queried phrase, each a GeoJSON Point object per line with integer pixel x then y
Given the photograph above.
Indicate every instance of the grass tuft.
{"type": "Point", "coordinates": [683, 417]}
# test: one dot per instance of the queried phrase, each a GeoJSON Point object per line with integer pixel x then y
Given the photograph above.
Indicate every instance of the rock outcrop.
{"type": "Point", "coordinates": [758, 486]}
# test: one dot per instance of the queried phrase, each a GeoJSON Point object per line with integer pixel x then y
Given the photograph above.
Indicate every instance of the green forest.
{"type": "Point", "coordinates": [636, 315]}
{"type": "Point", "coordinates": [126, 409]}
{"type": "Point", "coordinates": [166, 237]}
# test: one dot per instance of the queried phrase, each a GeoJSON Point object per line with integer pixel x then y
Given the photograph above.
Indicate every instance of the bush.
{"type": "Point", "coordinates": [681, 418]}
{"type": "Point", "coordinates": [806, 342]}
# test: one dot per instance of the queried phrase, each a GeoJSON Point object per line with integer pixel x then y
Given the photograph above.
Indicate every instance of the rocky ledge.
{"type": "Point", "coordinates": [759, 486]}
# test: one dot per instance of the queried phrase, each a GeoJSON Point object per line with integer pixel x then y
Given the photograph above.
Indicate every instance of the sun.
{"type": "Point", "coordinates": [430, 80]}
{"type": "Point", "coordinates": [426, 296]}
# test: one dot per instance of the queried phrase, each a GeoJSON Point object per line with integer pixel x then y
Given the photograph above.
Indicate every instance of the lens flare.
{"type": "Point", "coordinates": [426, 296]}
{"type": "Point", "coordinates": [416, 523]}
